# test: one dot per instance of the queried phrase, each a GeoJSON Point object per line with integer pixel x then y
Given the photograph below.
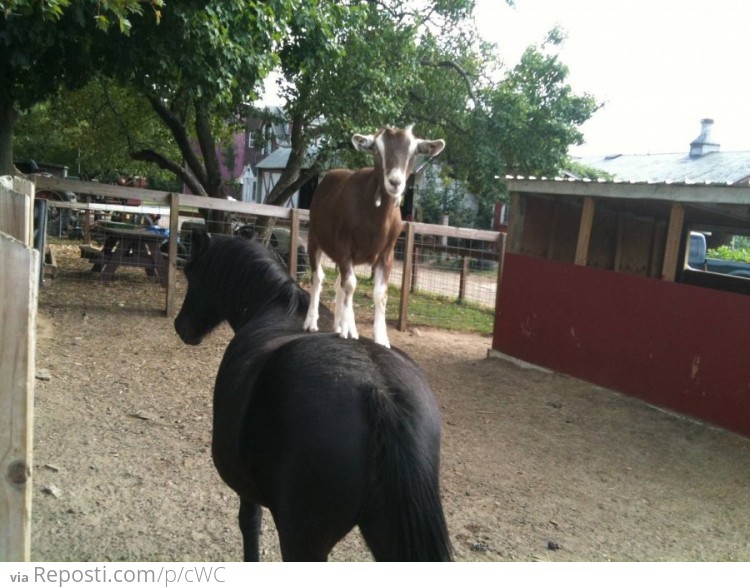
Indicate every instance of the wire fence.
{"type": "Point", "coordinates": [104, 253]}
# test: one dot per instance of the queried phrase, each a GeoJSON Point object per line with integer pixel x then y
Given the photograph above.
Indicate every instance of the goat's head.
{"type": "Point", "coordinates": [395, 151]}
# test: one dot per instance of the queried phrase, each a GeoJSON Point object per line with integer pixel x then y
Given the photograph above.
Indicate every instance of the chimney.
{"type": "Point", "coordinates": [704, 144]}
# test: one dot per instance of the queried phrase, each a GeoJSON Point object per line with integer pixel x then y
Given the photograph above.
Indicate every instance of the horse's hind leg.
{"type": "Point", "coordinates": [311, 321]}
{"type": "Point", "coordinates": [310, 534]}
{"type": "Point", "coordinates": [250, 518]}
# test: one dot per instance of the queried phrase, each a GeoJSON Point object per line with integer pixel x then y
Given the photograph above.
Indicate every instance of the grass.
{"type": "Point", "coordinates": [425, 309]}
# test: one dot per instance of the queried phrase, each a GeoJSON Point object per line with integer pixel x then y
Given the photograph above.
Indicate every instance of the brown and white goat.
{"type": "Point", "coordinates": [355, 219]}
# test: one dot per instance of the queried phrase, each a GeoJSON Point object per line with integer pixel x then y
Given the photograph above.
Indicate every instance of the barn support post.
{"type": "Point", "coordinates": [19, 282]}
{"type": "Point", "coordinates": [403, 311]}
{"type": "Point", "coordinates": [584, 232]}
{"type": "Point", "coordinates": [174, 229]}
{"type": "Point", "coordinates": [674, 238]}
{"type": "Point", "coordinates": [516, 221]}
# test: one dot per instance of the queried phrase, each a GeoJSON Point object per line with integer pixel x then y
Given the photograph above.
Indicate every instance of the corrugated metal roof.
{"type": "Point", "coordinates": [715, 168]}
{"type": "Point", "coordinates": [277, 160]}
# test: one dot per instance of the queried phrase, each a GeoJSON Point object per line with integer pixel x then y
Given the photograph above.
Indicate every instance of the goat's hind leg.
{"type": "Point", "coordinates": [338, 305]}
{"type": "Point", "coordinates": [346, 326]}
{"type": "Point", "coordinates": [311, 320]}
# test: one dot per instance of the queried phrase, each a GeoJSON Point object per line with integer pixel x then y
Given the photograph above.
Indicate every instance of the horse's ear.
{"type": "Point", "coordinates": [199, 242]}
{"type": "Point", "coordinates": [431, 148]}
{"type": "Point", "coordinates": [363, 142]}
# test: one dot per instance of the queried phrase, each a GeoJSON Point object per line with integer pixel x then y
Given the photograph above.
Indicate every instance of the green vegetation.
{"type": "Point", "coordinates": [167, 88]}
{"type": "Point", "coordinates": [425, 309]}
{"type": "Point", "coordinates": [730, 253]}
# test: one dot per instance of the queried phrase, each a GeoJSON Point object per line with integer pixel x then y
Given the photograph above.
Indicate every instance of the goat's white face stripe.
{"type": "Point", "coordinates": [394, 178]}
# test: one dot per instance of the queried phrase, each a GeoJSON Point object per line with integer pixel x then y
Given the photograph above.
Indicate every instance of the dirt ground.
{"type": "Point", "coordinates": [535, 465]}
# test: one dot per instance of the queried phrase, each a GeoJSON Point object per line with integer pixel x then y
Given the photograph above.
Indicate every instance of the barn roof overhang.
{"type": "Point", "coordinates": [706, 204]}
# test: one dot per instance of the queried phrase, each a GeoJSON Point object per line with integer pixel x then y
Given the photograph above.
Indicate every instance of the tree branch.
{"type": "Point", "coordinates": [460, 70]}
{"type": "Point", "coordinates": [163, 162]}
{"type": "Point", "coordinates": [177, 128]}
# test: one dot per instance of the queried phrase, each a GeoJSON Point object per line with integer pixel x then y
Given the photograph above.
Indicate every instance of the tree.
{"type": "Point", "coordinates": [523, 124]}
{"type": "Point", "coordinates": [93, 130]}
{"type": "Point", "coordinates": [45, 46]}
{"type": "Point", "coordinates": [356, 80]}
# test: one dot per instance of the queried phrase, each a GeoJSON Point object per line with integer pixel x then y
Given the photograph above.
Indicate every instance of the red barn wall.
{"type": "Point", "coordinates": [681, 347]}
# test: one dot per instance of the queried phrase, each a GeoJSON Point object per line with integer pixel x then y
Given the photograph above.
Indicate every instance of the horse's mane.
{"type": "Point", "coordinates": [245, 268]}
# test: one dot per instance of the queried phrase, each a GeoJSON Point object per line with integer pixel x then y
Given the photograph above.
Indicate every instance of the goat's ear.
{"type": "Point", "coordinates": [199, 242]}
{"type": "Point", "coordinates": [363, 142]}
{"type": "Point", "coordinates": [431, 148]}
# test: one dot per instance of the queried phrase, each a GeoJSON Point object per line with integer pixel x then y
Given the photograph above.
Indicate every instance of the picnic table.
{"type": "Point", "coordinates": [129, 247]}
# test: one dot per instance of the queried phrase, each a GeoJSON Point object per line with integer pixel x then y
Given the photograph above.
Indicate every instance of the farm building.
{"type": "Point", "coordinates": [596, 284]}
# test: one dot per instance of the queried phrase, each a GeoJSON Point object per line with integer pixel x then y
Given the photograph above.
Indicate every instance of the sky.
{"type": "Point", "coordinates": [659, 66]}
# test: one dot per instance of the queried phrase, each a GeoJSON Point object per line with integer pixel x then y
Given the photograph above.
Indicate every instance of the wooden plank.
{"type": "Point", "coordinates": [403, 311]}
{"type": "Point", "coordinates": [19, 279]}
{"type": "Point", "coordinates": [16, 214]}
{"type": "Point", "coordinates": [584, 231]}
{"type": "Point", "coordinates": [241, 207]}
{"type": "Point", "coordinates": [672, 247]}
{"type": "Point", "coordinates": [456, 232]}
{"type": "Point", "coordinates": [99, 189]}
{"type": "Point", "coordinates": [174, 228]}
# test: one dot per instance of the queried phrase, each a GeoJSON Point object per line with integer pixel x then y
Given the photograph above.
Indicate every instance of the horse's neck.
{"type": "Point", "coordinates": [274, 313]}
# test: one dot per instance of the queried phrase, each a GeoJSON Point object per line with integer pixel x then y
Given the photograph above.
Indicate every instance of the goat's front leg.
{"type": "Point", "coordinates": [380, 297]}
{"type": "Point", "coordinates": [347, 327]}
{"type": "Point", "coordinates": [311, 320]}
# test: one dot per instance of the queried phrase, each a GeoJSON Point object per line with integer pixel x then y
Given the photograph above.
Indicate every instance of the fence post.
{"type": "Point", "coordinates": [463, 279]}
{"type": "Point", "coordinates": [293, 242]}
{"type": "Point", "coordinates": [415, 269]}
{"type": "Point", "coordinates": [403, 311]}
{"type": "Point", "coordinates": [19, 283]}
{"type": "Point", "coordinates": [174, 230]}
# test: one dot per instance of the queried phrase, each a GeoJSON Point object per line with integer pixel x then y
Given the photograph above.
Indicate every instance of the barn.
{"type": "Point", "coordinates": [596, 283]}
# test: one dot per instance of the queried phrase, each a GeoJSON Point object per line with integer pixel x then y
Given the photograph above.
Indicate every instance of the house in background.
{"type": "Point", "coordinates": [704, 162]}
{"type": "Point", "coordinates": [239, 158]}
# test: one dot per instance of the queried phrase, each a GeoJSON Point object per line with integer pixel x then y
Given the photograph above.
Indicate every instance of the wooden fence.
{"type": "Point", "coordinates": [174, 204]}
{"type": "Point", "coordinates": [19, 282]}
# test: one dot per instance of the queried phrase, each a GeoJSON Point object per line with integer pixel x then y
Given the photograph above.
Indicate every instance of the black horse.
{"type": "Point", "coordinates": [327, 433]}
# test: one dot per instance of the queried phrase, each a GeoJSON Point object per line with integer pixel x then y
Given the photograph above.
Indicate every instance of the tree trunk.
{"type": "Point", "coordinates": [8, 117]}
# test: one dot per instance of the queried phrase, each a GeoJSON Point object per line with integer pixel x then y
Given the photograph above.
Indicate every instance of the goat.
{"type": "Point", "coordinates": [355, 219]}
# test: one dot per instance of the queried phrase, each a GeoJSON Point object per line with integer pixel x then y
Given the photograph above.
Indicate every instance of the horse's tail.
{"type": "Point", "coordinates": [405, 491]}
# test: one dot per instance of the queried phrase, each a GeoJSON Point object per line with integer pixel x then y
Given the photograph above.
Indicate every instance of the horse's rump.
{"type": "Point", "coordinates": [351, 422]}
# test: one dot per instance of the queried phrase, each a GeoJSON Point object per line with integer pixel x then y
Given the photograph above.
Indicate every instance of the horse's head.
{"type": "Point", "coordinates": [201, 311]}
{"type": "Point", "coordinates": [394, 152]}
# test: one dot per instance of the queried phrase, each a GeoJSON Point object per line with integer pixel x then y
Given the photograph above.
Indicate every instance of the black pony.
{"type": "Point", "coordinates": [326, 433]}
